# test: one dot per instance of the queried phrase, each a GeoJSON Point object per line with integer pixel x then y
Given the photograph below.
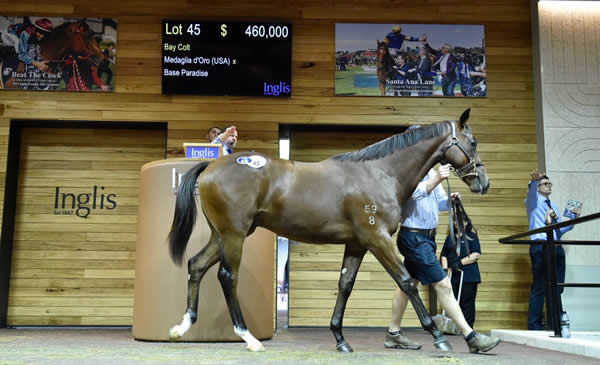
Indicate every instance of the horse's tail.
{"type": "Point", "coordinates": [185, 213]}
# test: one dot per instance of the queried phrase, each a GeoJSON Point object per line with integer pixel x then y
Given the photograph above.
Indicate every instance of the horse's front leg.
{"type": "Point", "coordinates": [386, 253]}
{"type": "Point", "coordinates": [353, 257]}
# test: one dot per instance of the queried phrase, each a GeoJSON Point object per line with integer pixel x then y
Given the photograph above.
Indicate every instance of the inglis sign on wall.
{"type": "Point", "coordinates": [82, 204]}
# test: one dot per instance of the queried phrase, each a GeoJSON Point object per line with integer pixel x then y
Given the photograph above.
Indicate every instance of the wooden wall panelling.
{"type": "Point", "coordinates": [69, 269]}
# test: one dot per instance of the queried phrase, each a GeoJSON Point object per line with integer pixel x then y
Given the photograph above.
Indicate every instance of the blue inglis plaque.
{"type": "Point", "coordinates": [206, 151]}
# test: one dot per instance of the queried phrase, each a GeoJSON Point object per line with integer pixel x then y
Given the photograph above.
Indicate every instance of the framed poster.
{"type": "Point", "coordinates": [57, 53]}
{"type": "Point", "coordinates": [410, 60]}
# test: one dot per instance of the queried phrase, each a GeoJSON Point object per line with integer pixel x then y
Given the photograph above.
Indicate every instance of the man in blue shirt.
{"type": "Point", "coordinates": [30, 35]}
{"type": "Point", "coordinates": [228, 139]}
{"type": "Point", "coordinates": [539, 211]}
{"type": "Point", "coordinates": [416, 242]}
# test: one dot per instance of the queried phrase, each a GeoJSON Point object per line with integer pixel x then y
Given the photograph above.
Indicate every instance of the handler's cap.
{"type": "Point", "coordinates": [44, 24]}
{"type": "Point", "coordinates": [397, 28]}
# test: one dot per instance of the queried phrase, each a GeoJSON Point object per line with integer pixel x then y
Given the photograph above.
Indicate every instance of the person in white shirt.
{"type": "Point", "coordinates": [416, 242]}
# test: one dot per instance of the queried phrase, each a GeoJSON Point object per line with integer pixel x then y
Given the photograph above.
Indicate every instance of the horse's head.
{"type": "Point", "coordinates": [382, 50]}
{"type": "Point", "coordinates": [71, 40]}
{"type": "Point", "coordinates": [385, 62]}
{"type": "Point", "coordinates": [461, 153]}
{"type": "Point", "coordinates": [84, 41]}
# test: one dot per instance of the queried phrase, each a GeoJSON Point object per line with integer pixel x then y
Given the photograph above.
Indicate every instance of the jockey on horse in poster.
{"type": "Point", "coordinates": [395, 39]}
{"type": "Point", "coordinates": [388, 50]}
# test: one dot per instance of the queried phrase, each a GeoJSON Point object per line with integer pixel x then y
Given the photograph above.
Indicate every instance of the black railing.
{"type": "Point", "coordinates": [553, 301]}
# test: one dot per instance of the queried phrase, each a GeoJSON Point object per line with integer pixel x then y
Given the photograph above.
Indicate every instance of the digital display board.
{"type": "Point", "coordinates": [226, 58]}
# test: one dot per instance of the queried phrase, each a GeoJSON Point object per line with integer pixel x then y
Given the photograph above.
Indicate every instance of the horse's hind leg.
{"type": "Point", "coordinates": [386, 254]}
{"type": "Point", "coordinates": [228, 277]}
{"type": "Point", "coordinates": [353, 257]}
{"type": "Point", "coordinates": [197, 267]}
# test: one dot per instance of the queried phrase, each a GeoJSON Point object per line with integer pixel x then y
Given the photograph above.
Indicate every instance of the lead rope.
{"type": "Point", "coordinates": [452, 237]}
{"type": "Point", "coordinates": [461, 217]}
{"type": "Point", "coordinates": [451, 211]}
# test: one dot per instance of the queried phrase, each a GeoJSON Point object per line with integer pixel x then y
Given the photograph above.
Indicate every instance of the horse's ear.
{"type": "Point", "coordinates": [464, 117]}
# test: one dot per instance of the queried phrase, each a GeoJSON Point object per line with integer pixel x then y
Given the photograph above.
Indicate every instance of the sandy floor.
{"type": "Point", "coordinates": [290, 346]}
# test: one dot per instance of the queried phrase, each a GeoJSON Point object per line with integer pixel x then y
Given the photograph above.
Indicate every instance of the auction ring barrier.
{"type": "Point", "coordinates": [161, 286]}
{"type": "Point", "coordinates": [553, 300]}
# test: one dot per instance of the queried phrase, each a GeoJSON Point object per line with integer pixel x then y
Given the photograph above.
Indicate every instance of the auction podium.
{"type": "Point", "coordinates": [161, 286]}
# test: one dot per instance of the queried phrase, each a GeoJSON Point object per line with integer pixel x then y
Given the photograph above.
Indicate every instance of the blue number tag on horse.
{"type": "Point", "coordinates": [252, 161]}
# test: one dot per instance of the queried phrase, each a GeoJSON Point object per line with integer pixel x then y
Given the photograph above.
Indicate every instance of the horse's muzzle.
{"type": "Point", "coordinates": [479, 185]}
{"type": "Point", "coordinates": [485, 188]}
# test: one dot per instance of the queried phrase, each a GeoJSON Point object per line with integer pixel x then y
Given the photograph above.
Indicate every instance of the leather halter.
{"type": "Point", "coordinates": [470, 169]}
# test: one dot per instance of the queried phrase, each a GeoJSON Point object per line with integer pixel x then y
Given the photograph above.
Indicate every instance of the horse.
{"type": "Point", "coordinates": [354, 198]}
{"type": "Point", "coordinates": [72, 49]}
{"type": "Point", "coordinates": [385, 62]}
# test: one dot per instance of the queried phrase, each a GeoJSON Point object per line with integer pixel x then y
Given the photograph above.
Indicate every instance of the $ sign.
{"type": "Point", "coordinates": [223, 30]}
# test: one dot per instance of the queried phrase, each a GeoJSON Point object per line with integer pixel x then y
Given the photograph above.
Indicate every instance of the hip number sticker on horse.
{"type": "Point", "coordinates": [371, 209]}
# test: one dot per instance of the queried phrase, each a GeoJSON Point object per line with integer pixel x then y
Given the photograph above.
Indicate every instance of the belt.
{"type": "Point", "coordinates": [426, 232]}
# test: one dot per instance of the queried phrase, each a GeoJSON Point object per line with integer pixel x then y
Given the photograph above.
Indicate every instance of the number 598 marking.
{"type": "Point", "coordinates": [371, 209]}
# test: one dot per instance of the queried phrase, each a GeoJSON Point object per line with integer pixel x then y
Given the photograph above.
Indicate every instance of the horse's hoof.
{"type": "Point", "coordinates": [442, 344]}
{"type": "Point", "coordinates": [174, 334]}
{"type": "Point", "coordinates": [344, 347]}
{"type": "Point", "coordinates": [257, 347]}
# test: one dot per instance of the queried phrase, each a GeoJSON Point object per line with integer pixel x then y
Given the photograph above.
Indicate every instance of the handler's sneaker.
{"type": "Point", "coordinates": [481, 342]}
{"type": "Point", "coordinates": [397, 340]}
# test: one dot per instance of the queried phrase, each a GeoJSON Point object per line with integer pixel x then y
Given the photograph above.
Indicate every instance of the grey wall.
{"type": "Point", "coordinates": [569, 49]}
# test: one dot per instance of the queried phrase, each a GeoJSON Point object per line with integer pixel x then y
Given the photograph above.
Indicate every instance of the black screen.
{"type": "Point", "coordinates": [226, 58]}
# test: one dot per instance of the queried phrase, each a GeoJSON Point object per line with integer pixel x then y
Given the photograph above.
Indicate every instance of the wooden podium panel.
{"type": "Point", "coordinates": [161, 286]}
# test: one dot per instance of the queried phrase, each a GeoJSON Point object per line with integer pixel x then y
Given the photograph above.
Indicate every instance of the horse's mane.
{"type": "Point", "coordinates": [59, 29]}
{"type": "Point", "coordinates": [394, 143]}
{"type": "Point", "coordinates": [57, 33]}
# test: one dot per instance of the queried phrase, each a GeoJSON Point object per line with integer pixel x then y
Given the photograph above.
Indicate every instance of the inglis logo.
{"type": "Point", "coordinates": [80, 204]}
{"type": "Point", "coordinates": [275, 90]}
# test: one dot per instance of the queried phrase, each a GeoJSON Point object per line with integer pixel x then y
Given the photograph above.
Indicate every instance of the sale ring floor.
{"type": "Point", "coordinates": [289, 346]}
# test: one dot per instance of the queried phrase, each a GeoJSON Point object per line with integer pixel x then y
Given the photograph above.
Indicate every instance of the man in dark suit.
{"type": "Point", "coordinates": [424, 74]}
{"type": "Point", "coordinates": [446, 63]}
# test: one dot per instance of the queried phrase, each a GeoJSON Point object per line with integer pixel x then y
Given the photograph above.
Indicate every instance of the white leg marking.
{"type": "Point", "coordinates": [251, 341]}
{"type": "Point", "coordinates": [344, 271]}
{"type": "Point", "coordinates": [178, 331]}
